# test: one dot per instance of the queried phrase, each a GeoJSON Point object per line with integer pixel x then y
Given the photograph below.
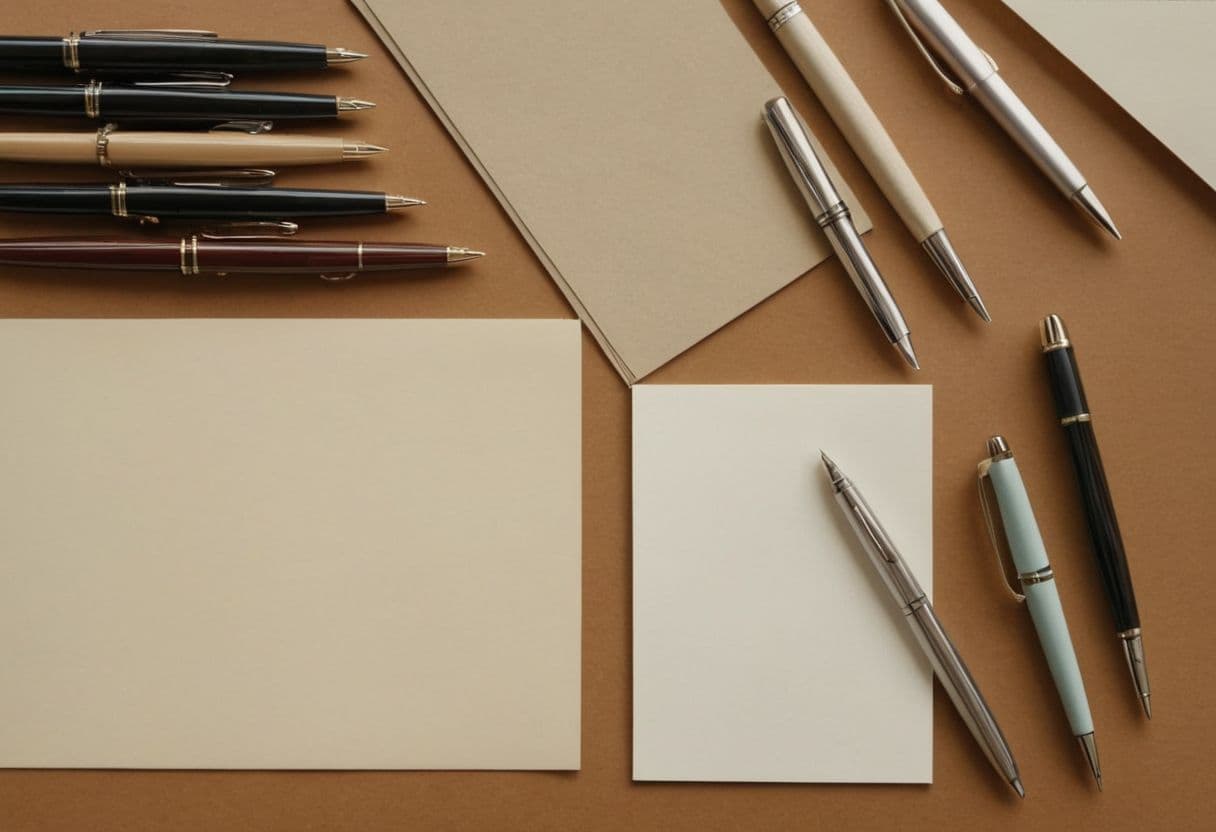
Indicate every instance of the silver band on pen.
{"type": "Point", "coordinates": [783, 15]}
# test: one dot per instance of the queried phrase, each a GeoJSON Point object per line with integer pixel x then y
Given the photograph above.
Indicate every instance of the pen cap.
{"type": "Point", "coordinates": [794, 143]}
{"type": "Point", "coordinates": [1066, 387]}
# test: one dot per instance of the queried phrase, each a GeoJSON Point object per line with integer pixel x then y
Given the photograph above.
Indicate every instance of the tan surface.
{"type": "Point", "coordinates": [1140, 312]}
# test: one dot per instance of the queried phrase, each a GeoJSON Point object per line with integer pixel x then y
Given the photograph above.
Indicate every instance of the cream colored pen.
{"type": "Point", "coordinates": [250, 147]}
{"type": "Point", "coordinates": [864, 132]}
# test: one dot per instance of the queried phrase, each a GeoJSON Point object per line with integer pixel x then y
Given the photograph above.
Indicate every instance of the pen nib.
{"type": "Point", "coordinates": [348, 104]}
{"type": "Point", "coordinates": [338, 55]}
{"type": "Point", "coordinates": [457, 254]}
{"type": "Point", "coordinates": [1091, 756]}
{"type": "Point", "coordinates": [391, 202]}
{"type": "Point", "coordinates": [904, 345]}
{"type": "Point", "coordinates": [1017, 787]}
{"type": "Point", "coordinates": [360, 150]}
{"type": "Point", "coordinates": [1089, 204]}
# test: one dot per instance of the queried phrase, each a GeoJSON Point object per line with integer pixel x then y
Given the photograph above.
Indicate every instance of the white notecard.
{"type": "Point", "coordinates": [766, 647]}
{"type": "Point", "coordinates": [338, 544]}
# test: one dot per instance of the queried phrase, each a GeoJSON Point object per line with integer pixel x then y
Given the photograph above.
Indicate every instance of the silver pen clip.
{"type": "Point", "coordinates": [951, 84]}
{"type": "Point", "coordinates": [992, 522]}
{"type": "Point", "coordinates": [251, 127]}
{"type": "Point", "coordinates": [245, 177]}
{"type": "Point", "coordinates": [231, 230]}
{"type": "Point", "coordinates": [149, 34]}
{"type": "Point", "coordinates": [188, 80]}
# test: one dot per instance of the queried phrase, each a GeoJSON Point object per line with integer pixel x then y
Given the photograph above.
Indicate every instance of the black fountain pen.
{"type": "Point", "coordinates": [207, 101]}
{"type": "Point", "coordinates": [233, 195]}
{"type": "Point", "coordinates": [156, 51]}
{"type": "Point", "coordinates": [1072, 409]}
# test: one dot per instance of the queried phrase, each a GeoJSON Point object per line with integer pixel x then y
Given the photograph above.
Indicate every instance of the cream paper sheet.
{"type": "Point", "coordinates": [766, 647]}
{"type": "Point", "coordinates": [325, 544]}
{"type": "Point", "coordinates": [625, 141]}
{"type": "Point", "coordinates": [1154, 57]}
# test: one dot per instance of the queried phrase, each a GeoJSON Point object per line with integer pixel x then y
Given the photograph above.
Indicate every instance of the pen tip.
{"type": "Point", "coordinates": [458, 254]}
{"type": "Point", "coordinates": [904, 345]}
{"type": "Point", "coordinates": [338, 55]}
{"type": "Point", "coordinates": [360, 150]}
{"type": "Point", "coordinates": [1090, 748]}
{"type": "Point", "coordinates": [1148, 709]}
{"type": "Point", "coordinates": [1092, 208]}
{"type": "Point", "coordinates": [348, 104]}
{"type": "Point", "coordinates": [1017, 787]}
{"type": "Point", "coordinates": [978, 305]}
{"type": "Point", "coordinates": [391, 201]}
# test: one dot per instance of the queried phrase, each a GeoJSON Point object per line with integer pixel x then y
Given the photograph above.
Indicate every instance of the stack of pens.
{"type": "Point", "coordinates": [187, 148]}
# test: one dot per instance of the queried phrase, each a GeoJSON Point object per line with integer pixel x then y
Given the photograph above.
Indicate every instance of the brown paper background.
{"type": "Point", "coordinates": [1140, 312]}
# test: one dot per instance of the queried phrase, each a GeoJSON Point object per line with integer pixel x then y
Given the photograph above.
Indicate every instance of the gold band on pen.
{"type": "Point", "coordinates": [118, 199]}
{"type": "Point", "coordinates": [1072, 420]}
{"type": "Point", "coordinates": [92, 99]}
{"type": "Point", "coordinates": [359, 254]}
{"type": "Point", "coordinates": [103, 145]}
{"type": "Point", "coordinates": [71, 52]}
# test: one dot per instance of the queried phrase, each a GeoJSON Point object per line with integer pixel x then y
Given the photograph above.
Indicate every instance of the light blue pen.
{"type": "Point", "coordinates": [1038, 589]}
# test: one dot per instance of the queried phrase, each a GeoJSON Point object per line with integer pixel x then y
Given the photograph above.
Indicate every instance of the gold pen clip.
{"type": "Point", "coordinates": [244, 177]}
{"type": "Point", "coordinates": [274, 229]}
{"type": "Point", "coordinates": [1008, 575]}
{"type": "Point", "coordinates": [188, 80]}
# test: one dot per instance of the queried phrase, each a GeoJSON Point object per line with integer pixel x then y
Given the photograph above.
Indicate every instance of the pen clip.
{"type": "Point", "coordinates": [251, 127]}
{"type": "Point", "coordinates": [149, 34]}
{"type": "Point", "coordinates": [189, 80]}
{"type": "Point", "coordinates": [247, 177]}
{"type": "Point", "coordinates": [992, 522]}
{"type": "Point", "coordinates": [951, 84]}
{"type": "Point", "coordinates": [275, 229]}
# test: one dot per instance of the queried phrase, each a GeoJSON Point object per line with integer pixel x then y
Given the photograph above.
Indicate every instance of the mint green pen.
{"type": "Point", "coordinates": [1038, 589]}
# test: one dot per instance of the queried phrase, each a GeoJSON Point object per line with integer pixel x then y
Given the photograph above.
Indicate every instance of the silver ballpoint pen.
{"type": "Point", "coordinates": [969, 69]}
{"type": "Point", "coordinates": [947, 664]}
{"type": "Point", "coordinates": [832, 215]}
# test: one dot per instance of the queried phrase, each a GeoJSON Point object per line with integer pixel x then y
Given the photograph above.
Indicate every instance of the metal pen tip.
{"type": "Point", "coordinates": [348, 104]}
{"type": "Point", "coordinates": [457, 254]}
{"type": "Point", "coordinates": [360, 150]}
{"type": "Point", "coordinates": [1017, 787]}
{"type": "Point", "coordinates": [391, 202]}
{"type": "Point", "coordinates": [1092, 208]}
{"type": "Point", "coordinates": [904, 345]}
{"type": "Point", "coordinates": [338, 55]}
{"type": "Point", "coordinates": [834, 472]}
{"type": "Point", "coordinates": [1148, 708]}
{"type": "Point", "coordinates": [942, 253]}
{"type": "Point", "coordinates": [1090, 749]}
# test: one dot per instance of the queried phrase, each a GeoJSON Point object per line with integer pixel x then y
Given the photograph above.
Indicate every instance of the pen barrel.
{"type": "Point", "coordinates": [1042, 594]}
{"type": "Point", "coordinates": [181, 104]}
{"type": "Point", "coordinates": [142, 55]}
{"type": "Point", "coordinates": [1103, 525]}
{"type": "Point", "coordinates": [1013, 116]}
{"type": "Point", "coordinates": [849, 109]}
{"type": "Point", "coordinates": [31, 54]}
{"type": "Point", "coordinates": [42, 101]}
{"type": "Point", "coordinates": [1067, 391]}
{"type": "Point", "coordinates": [956, 680]}
{"type": "Point", "coordinates": [194, 202]}
{"type": "Point", "coordinates": [883, 554]}
{"type": "Point", "coordinates": [221, 148]}
{"type": "Point", "coordinates": [857, 263]}
{"type": "Point", "coordinates": [49, 148]}
{"type": "Point", "coordinates": [92, 253]}
{"type": "Point", "coordinates": [325, 257]}
{"type": "Point", "coordinates": [56, 199]}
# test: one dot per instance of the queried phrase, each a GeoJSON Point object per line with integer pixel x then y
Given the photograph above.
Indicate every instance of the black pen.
{"type": "Point", "coordinates": [154, 51]}
{"type": "Point", "coordinates": [1072, 409]}
{"type": "Point", "coordinates": [221, 195]}
{"type": "Point", "coordinates": [199, 101]}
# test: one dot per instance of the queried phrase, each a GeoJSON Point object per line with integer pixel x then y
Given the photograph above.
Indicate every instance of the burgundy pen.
{"type": "Point", "coordinates": [205, 253]}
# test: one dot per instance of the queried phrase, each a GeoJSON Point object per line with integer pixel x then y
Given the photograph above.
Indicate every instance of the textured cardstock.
{"type": "Point", "coordinates": [766, 647]}
{"type": "Point", "coordinates": [298, 544]}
